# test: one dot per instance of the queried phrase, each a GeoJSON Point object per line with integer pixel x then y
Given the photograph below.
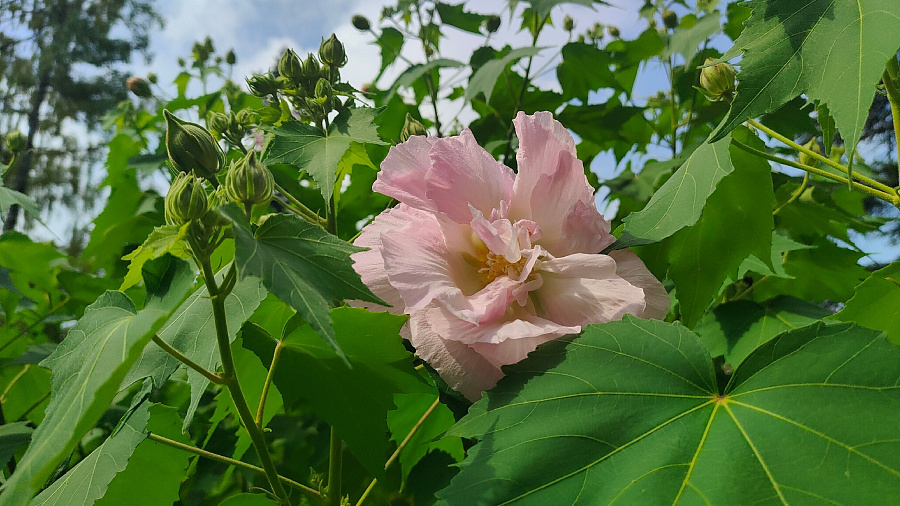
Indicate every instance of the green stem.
{"type": "Point", "coordinates": [672, 105]}
{"type": "Point", "coordinates": [796, 194]}
{"type": "Point", "coordinates": [819, 172]}
{"type": "Point", "coordinates": [211, 376]}
{"type": "Point", "coordinates": [827, 161]}
{"type": "Point", "coordinates": [893, 94]}
{"type": "Point", "coordinates": [265, 392]}
{"type": "Point", "coordinates": [297, 207]}
{"type": "Point", "coordinates": [335, 462]}
{"type": "Point", "coordinates": [232, 462]}
{"type": "Point", "coordinates": [400, 447]}
{"type": "Point", "coordinates": [229, 376]}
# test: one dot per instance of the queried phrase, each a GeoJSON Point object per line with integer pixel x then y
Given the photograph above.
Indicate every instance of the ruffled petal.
{"type": "Point", "coordinates": [369, 264]}
{"type": "Point", "coordinates": [581, 289]}
{"type": "Point", "coordinates": [459, 365]}
{"type": "Point", "coordinates": [403, 170]}
{"type": "Point", "coordinates": [633, 270]}
{"type": "Point", "coordinates": [533, 332]}
{"type": "Point", "coordinates": [464, 174]}
{"type": "Point", "coordinates": [541, 140]}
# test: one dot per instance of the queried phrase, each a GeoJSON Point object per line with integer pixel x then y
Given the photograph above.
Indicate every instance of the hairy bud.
{"type": "Point", "coordinates": [670, 19]}
{"type": "Point", "coordinates": [263, 85]}
{"type": "Point", "coordinates": [807, 159]}
{"type": "Point", "coordinates": [332, 52]}
{"type": "Point", "coordinates": [246, 118]}
{"type": "Point", "coordinates": [360, 22]}
{"type": "Point", "coordinates": [230, 57]}
{"type": "Point", "coordinates": [249, 181]}
{"type": "Point", "coordinates": [568, 24]}
{"type": "Point", "coordinates": [613, 32]}
{"type": "Point", "coordinates": [411, 127]}
{"type": "Point", "coordinates": [16, 141]}
{"type": "Point", "coordinates": [186, 200]}
{"type": "Point", "coordinates": [311, 67]}
{"type": "Point", "coordinates": [191, 147]}
{"type": "Point", "coordinates": [718, 80]}
{"type": "Point", "coordinates": [492, 23]}
{"type": "Point", "coordinates": [323, 89]}
{"type": "Point", "coordinates": [139, 86]}
{"type": "Point", "coordinates": [290, 65]}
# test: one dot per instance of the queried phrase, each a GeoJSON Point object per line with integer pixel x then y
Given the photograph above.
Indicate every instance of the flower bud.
{"type": "Point", "coordinates": [249, 181]}
{"type": "Point", "coordinates": [311, 68]}
{"type": "Point", "coordinates": [152, 77]}
{"type": "Point", "coordinates": [323, 88]}
{"type": "Point", "coordinates": [290, 65]}
{"type": "Point", "coordinates": [230, 57]}
{"type": "Point", "coordinates": [807, 159]}
{"type": "Point", "coordinates": [263, 85]}
{"type": "Point", "coordinates": [181, 62]}
{"type": "Point", "coordinates": [139, 86]}
{"type": "Point", "coordinates": [191, 147]}
{"type": "Point", "coordinates": [492, 24]}
{"type": "Point", "coordinates": [246, 117]}
{"type": "Point", "coordinates": [613, 32]}
{"type": "Point", "coordinates": [332, 52]}
{"type": "Point", "coordinates": [16, 141]}
{"type": "Point", "coordinates": [217, 121]}
{"type": "Point", "coordinates": [670, 19]}
{"type": "Point", "coordinates": [568, 23]}
{"type": "Point", "coordinates": [718, 80]}
{"type": "Point", "coordinates": [411, 127]}
{"type": "Point", "coordinates": [360, 22]}
{"type": "Point", "coordinates": [186, 200]}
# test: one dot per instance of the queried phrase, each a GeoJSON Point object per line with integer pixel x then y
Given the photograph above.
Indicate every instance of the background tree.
{"type": "Point", "coordinates": [59, 63]}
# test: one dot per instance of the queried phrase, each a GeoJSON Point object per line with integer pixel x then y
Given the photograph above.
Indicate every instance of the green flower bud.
{"type": "Point", "coordinates": [332, 52]}
{"type": "Point", "coordinates": [16, 141]}
{"type": "Point", "coordinates": [249, 181]}
{"type": "Point", "coordinates": [186, 200]}
{"type": "Point", "coordinates": [230, 57]}
{"type": "Point", "coordinates": [613, 32]}
{"type": "Point", "coordinates": [670, 19]}
{"type": "Point", "coordinates": [181, 62]}
{"type": "Point", "coordinates": [323, 88]}
{"type": "Point", "coordinates": [152, 77]}
{"type": "Point", "coordinates": [139, 86]}
{"type": "Point", "coordinates": [360, 22]}
{"type": "Point", "coordinates": [492, 24]}
{"type": "Point", "coordinates": [191, 147]}
{"type": "Point", "coordinates": [411, 127]}
{"type": "Point", "coordinates": [217, 121]}
{"type": "Point", "coordinates": [290, 65]}
{"type": "Point", "coordinates": [311, 68]}
{"type": "Point", "coordinates": [246, 117]}
{"type": "Point", "coordinates": [325, 73]}
{"type": "Point", "coordinates": [807, 159]}
{"type": "Point", "coordinates": [212, 219]}
{"type": "Point", "coordinates": [263, 85]}
{"type": "Point", "coordinates": [568, 23]}
{"type": "Point", "coordinates": [718, 80]}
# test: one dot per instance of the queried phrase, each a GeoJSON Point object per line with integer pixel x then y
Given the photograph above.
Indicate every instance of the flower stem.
{"type": "Point", "coordinates": [335, 462]}
{"type": "Point", "coordinates": [265, 392]}
{"type": "Point", "coordinates": [400, 447]}
{"type": "Point", "coordinates": [796, 194]}
{"type": "Point", "coordinates": [891, 75]}
{"type": "Point", "coordinates": [819, 172]}
{"type": "Point", "coordinates": [298, 208]}
{"type": "Point", "coordinates": [827, 161]}
{"type": "Point", "coordinates": [232, 462]}
{"type": "Point", "coordinates": [211, 376]}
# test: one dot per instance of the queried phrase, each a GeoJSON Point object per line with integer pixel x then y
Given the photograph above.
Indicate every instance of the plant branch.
{"type": "Point", "coordinates": [796, 194]}
{"type": "Point", "coordinates": [335, 462]}
{"type": "Point", "coordinates": [168, 348]}
{"type": "Point", "coordinates": [232, 462]}
{"type": "Point", "coordinates": [893, 93]}
{"type": "Point", "coordinates": [265, 392]}
{"type": "Point", "coordinates": [297, 207]}
{"type": "Point", "coordinates": [400, 447]}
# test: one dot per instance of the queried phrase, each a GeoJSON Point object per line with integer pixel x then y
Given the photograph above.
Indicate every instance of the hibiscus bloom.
{"type": "Point", "coordinates": [489, 264]}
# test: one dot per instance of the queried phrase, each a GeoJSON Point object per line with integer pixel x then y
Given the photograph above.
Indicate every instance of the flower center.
{"type": "Point", "coordinates": [497, 265]}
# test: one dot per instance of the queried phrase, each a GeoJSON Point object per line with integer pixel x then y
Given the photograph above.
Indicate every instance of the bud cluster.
{"type": "Point", "coordinates": [15, 142]}
{"type": "Point", "coordinates": [233, 126]}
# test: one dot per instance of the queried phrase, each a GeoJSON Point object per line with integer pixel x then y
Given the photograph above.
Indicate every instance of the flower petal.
{"type": "Point", "coordinates": [463, 173]}
{"type": "Point", "coordinates": [581, 289]}
{"type": "Point", "coordinates": [541, 140]}
{"type": "Point", "coordinates": [369, 264]}
{"type": "Point", "coordinates": [459, 365]}
{"type": "Point", "coordinates": [633, 270]}
{"type": "Point", "coordinates": [403, 170]}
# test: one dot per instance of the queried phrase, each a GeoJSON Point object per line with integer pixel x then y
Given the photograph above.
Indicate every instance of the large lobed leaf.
{"type": "Point", "coordinates": [876, 302]}
{"type": "Point", "coordinates": [88, 368]}
{"type": "Point", "coordinates": [833, 51]}
{"type": "Point", "coordinates": [630, 413]}
{"type": "Point", "coordinates": [305, 266]}
{"type": "Point", "coordinates": [318, 152]}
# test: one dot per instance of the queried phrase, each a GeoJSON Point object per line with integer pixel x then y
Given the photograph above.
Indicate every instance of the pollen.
{"type": "Point", "coordinates": [497, 265]}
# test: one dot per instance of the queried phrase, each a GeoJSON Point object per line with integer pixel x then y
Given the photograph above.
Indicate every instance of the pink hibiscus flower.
{"type": "Point", "coordinates": [489, 264]}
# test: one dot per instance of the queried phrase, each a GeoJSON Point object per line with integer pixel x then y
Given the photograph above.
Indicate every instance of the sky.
{"type": "Point", "coordinates": [260, 30]}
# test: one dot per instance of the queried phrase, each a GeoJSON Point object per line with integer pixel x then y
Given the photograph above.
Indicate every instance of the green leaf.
{"type": "Point", "coordinates": [192, 331]}
{"type": "Point", "coordinates": [709, 252]}
{"type": "Point", "coordinates": [543, 7]}
{"type": "Point", "coordinates": [483, 80]}
{"type": "Point", "coordinates": [826, 123]}
{"type": "Point", "coordinates": [10, 197]}
{"type": "Point", "coordinates": [630, 412]}
{"type": "Point", "coordinates": [88, 368]}
{"type": "Point", "coordinates": [411, 407]}
{"type": "Point", "coordinates": [12, 436]}
{"type": "Point", "coordinates": [415, 72]}
{"type": "Point", "coordinates": [781, 245]}
{"type": "Point", "coordinates": [391, 42]}
{"type": "Point", "coordinates": [164, 239]}
{"type": "Point", "coordinates": [680, 200]}
{"type": "Point", "coordinates": [309, 148]}
{"type": "Point", "coordinates": [737, 328]}
{"type": "Point", "coordinates": [88, 481]}
{"type": "Point", "coordinates": [685, 41]}
{"type": "Point", "coordinates": [355, 400]}
{"type": "Point", "coordinates": [457, 16]}
{"type": "Point", "coordinates": [833, 51]}
{"type": "Point", "coordinates": [876, 303]}
{"type": "Point", "coordinates": [303, 265]}
{"type": "Point", "coordinates": [584, 68]}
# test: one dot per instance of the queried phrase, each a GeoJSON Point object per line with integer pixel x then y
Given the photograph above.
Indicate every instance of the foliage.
{"type": "Point", "coordinates": [234, 355]}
